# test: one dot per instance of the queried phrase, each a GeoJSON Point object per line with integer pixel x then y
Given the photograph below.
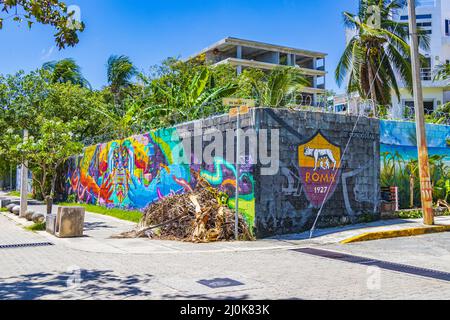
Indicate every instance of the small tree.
{"type": "Point", "coordinates": [49, 12]}
{"type": "Point", "coordinates": [46, 153]}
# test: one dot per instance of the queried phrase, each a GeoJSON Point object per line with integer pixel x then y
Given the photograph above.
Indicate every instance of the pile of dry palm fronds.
{"type": "Point", "coordinates": [198, 216]}
{"type": "Point", "coordinates": [444, 205]}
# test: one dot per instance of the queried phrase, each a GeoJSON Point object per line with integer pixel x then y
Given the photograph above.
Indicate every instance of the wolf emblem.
{"type": "Point", "coordinates": [319, 156]}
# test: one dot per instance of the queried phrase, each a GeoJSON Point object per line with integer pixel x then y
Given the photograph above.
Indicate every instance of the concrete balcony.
{"type": "Point", "coordinates": [267, 66]}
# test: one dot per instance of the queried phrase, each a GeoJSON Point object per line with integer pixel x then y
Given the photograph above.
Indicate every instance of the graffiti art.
{"type": "Point", "coordinates": [319, 162]}
{"type": "Point", "coordinates": [136, 172]}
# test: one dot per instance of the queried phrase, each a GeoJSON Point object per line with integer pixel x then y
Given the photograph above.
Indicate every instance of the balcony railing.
{"type": "Point", "coordinates": [426, 74]}
{"type": "Point", "coordinates": [425, 3]}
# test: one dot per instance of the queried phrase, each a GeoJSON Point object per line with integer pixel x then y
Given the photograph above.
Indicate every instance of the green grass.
{"type": "Point", "coordinates": [128, 215]}
{"type": "Point", "coordinates": [3, 210]}
{"type": "Point", "coordinates": [410, 214]}
{"type": "Point", "coordinates": [36, 227]}
{"type": "Point", "coordinates": [17, 194]}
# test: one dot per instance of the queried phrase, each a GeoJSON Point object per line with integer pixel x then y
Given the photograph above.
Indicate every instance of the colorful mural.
{"type": "Point", "coordinates": [399, 160]}
{"type": "Point", "coordinates": [138, 171]}
{"type": "Point", "coordinates": [397, 136]}
{"type": "Point", "coordinates": [319, 162]}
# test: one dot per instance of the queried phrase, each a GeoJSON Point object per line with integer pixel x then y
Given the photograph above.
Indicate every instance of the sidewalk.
{"type": "Point", "coordinates": [100, 228]}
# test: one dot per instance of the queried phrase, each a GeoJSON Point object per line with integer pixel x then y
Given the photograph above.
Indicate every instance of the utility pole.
{"type": "Point", "coordinates": [24, 182]}
{"type": "Point", "coordinates": [426, 191]}
{"type": "Point", "coordinates": [238, 159]}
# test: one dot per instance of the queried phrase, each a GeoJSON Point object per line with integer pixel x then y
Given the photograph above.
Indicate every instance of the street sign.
{"type": "Point", "coordinates": [233, 102]}
{"type": "Point", "coordinates": [234, 112]}
{"type": "Point", "coordinates": [239, 107]}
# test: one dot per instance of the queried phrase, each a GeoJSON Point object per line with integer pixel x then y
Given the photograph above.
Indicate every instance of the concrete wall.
{"type": "Point", "coordinates": [290, 201]}
{"type": "Point", "coordinates": [140, 170]}
{"type": "Point", "coordinates": [400, 136]}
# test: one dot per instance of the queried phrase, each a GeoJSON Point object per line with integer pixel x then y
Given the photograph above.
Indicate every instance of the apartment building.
{"type": "Point", "coordinates": [434, 17]}
{"type": "Point", "coordinates": [243, 54]}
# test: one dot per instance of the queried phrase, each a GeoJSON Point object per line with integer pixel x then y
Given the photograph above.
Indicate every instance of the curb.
{"type": "Point", "coordinates": [410, 232]}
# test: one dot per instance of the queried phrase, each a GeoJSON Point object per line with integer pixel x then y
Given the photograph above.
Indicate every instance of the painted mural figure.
{"type": "Point", "coordinates": [322, 156]}
{"type": "Point", "coordinates": [319, 165]}
{"type": "Point", "coordinates": [136, 172]}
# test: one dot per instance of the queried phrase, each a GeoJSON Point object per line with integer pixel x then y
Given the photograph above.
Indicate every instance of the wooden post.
{"type": "Point", "coordinates": [426, 190]}
{"type": "Point", "coordinates": [24, 182]}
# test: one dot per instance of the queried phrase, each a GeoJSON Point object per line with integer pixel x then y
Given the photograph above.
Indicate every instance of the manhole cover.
{"type": "Point", "coordinates": [220, 283]}
{"type": "Point", "coordinates": [422, 272]}
{"type": "Point", "coordinates": [26, 245]}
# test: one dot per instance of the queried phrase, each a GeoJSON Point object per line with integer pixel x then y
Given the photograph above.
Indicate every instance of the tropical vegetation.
{"type": "Point", "coordinates": [377, 51]}
{"type": "Point", "coordinates": [396, 171]}
{"type": "Point", "coordinates": [63, 113]}
{"type": "Point", "coordinates": [54, 13]}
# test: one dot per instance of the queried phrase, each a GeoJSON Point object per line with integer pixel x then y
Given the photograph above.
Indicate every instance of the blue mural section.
{"type": "Point", "coordinates": [398, 136]}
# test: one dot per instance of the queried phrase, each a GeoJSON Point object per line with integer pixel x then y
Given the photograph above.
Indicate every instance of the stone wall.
{"type": "Point", "coordinates": [290, 201]}
{"type": "Point", "coordinates": [309, 170]}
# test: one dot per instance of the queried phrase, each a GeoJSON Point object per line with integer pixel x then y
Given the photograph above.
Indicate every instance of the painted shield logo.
{"type": "Point", "coordinates": [320, 162]}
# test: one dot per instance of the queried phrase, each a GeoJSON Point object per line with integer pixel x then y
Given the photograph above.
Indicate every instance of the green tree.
{"type": "Point", "coordinates": [47, 12]}
{"type": "Point", "coordinates": [376, 52]}
{"type": "Point", "coordinates": [120, 73]}
{"type": "Point", "coordinates": [66, 70]}
{"type": "Point", "coordinates": [442, 72]}
{"type": "Point", "coordinates": [277, 87]}
{"type": "Point", "coordinates": [184, 91]}
{"type": "Point", "coordinates": [48, 151]}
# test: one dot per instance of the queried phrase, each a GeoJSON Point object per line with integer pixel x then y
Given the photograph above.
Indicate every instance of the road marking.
{"type": "Point", "coordinates": [391, 266]}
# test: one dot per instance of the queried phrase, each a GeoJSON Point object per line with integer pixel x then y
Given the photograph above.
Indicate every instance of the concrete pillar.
{"type": "Point", "coordinates": [24, 182]}
{"type": "Point", "coordinates": [239, 52]}
{"type": "Point", "coordinates": [239, 56]}
{"type": "Point", "coordinates": [289, 60]}
{"type": "Point", "coordinates": [277, 58]}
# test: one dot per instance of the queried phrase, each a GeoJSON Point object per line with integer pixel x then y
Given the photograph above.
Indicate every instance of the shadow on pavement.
{"type": "Point", "coordinates": [84, 284]}
{"type": "Point", "coordinates": [90, 226]}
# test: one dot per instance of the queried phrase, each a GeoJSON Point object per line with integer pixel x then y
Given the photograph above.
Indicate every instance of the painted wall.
{"type": "Point", "coordinates": [138, 171]}
{"type": "Point", "coordinates": [398, 136]}
{"type": "Point", "coordinates": [314, 166]}
{"type": "Point", "coordinates": [320, 171]}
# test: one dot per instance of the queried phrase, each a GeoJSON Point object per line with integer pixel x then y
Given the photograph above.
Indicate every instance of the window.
{"type": "Point", "coordinates": [428, 108]}
{"type": "Point", "coordinates": [447, 27]}
{"type": "Point", "coordinates": [425, 70]}
{"type": "Point", "coordinates": [418, 17]}
{"type": "Point", "coordinates": [424, 24]}
{"type": "Point", "coordinates": [424, 16]}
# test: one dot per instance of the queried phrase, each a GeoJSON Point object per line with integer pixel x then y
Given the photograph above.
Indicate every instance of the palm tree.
{"type": "Point", "coordinates": [191, 99]}
{"type": "Point", "coordinates": [120, 71]}
{"type": "Point", "coordinates": [274, 88]}
{"type": "Point", "coordinates": [442, 72]}
{"type": "Point", "coordinates": [374, 55]}
{"type": "Point", "coordinates": [66, 70]}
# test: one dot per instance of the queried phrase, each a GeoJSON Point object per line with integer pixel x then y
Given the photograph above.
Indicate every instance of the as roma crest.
{"type": "Point", "coordinates": [320, 162]}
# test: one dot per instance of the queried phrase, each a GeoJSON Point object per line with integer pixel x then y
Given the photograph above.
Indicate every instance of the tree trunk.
{"type": "Point", "coordinates": [372, 84]}
{"type": "Point", "coordinates": [52, 193]}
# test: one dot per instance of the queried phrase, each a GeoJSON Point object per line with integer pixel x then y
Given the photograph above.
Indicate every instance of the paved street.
{"type": "Point", "coordinates": [269, 269]}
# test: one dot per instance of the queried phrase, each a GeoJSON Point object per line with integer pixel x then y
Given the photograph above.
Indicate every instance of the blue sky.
{"type": "Point", "coordinates": [149, 31]}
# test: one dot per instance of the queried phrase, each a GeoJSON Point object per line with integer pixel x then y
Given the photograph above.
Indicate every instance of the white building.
{"type": "Point", "coordinates": [434, 17]}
